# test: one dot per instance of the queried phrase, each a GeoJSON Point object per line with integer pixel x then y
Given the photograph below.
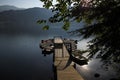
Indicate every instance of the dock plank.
{"type": "Point", "coordinates": [68, 74]}
{"type": "Point", "coordinates": [58, 40]}
{"type": "Point", "coordinates": [61, 60]}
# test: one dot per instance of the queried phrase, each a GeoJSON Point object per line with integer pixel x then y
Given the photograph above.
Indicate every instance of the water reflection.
{"type": "Point", "coordinates": [94, 71]}
{"type": "Point", "coordinates": [21, 59]}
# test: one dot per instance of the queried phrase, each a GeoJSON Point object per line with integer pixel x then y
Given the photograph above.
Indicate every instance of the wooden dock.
{"type": "Point", "coordinates": [62, 62]}
{"type": "Point", "coordinates": [68, 73]}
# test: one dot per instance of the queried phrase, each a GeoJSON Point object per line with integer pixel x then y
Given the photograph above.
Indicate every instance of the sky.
{"type": "Point", "coordinates": [22, 3]}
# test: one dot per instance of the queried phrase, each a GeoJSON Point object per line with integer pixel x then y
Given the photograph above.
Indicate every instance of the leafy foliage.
{"type": "Point", "coordinates": [46, 27]}
{"type": "Point", "coordinates": [41, 21]}
{"type": "Point", "coordinates": [102, 24]}
{"type": "Point", "coordinates": [66, 25]}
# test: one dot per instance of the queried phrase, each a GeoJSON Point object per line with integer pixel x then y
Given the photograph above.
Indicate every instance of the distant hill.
{"type": "Point", "coordinates": [7, 7]}
{"type": "Point", "coordinates": [24, 22]}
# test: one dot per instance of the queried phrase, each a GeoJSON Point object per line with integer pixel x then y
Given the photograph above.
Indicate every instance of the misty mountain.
{"type": "Point", "coordinates": [7, 8]}
{"type": "Point", "coordinates": [24, 22]}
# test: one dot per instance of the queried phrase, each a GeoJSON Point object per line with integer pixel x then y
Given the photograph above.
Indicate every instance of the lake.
{"type": "Point", "coordinates": [21, 59]}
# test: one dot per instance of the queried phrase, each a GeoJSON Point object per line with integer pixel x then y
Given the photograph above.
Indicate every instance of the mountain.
{"type": "Point", "coordinates": [24, 22]}
{"type": "Point", "coordinates": [7, 7]}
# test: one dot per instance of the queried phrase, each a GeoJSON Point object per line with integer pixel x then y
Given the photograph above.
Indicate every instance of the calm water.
{"type": "Point", "coordinates": [21, 59]}
{"type": "Point", "coordinates": [94, 67]}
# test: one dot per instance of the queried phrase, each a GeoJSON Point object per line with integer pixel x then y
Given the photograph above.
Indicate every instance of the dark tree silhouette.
{"type": "Point", "coordinates": [102, 18]}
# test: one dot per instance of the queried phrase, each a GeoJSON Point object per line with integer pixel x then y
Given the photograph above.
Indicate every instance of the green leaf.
{"type": "Point", "coordinates": [88, 21]}
{"type": "Point", "coordinates": [48, 4]}
{"type": "Point", "coordinates": [78, 19]}
{"type": "Point", "coordinates": [41, 21]}
{"type": "Point", "coordinates": [66, 25]}
{"type": "Point", "coordinates": [46, 27]}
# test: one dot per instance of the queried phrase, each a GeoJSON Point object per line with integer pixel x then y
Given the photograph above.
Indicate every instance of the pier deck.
{"type": "Point", "coordinates": [68, 73]}
{"type": "Point", "coordinates": [61, 57]}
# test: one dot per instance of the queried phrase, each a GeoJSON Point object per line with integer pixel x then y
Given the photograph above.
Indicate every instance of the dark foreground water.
{"type": "Point", "coordinates": [21, 59]}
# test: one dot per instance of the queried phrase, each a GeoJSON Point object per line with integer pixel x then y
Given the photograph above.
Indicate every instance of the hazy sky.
{"type": "Point", "coordinates": [22, 3]}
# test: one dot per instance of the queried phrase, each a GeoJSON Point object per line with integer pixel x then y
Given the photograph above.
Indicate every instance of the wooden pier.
{"type": "Point", "coordinates": [62, 62]}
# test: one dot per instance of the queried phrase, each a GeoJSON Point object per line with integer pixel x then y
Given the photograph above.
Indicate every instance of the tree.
{"type": "Point", "coordinates": [102, 18]}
